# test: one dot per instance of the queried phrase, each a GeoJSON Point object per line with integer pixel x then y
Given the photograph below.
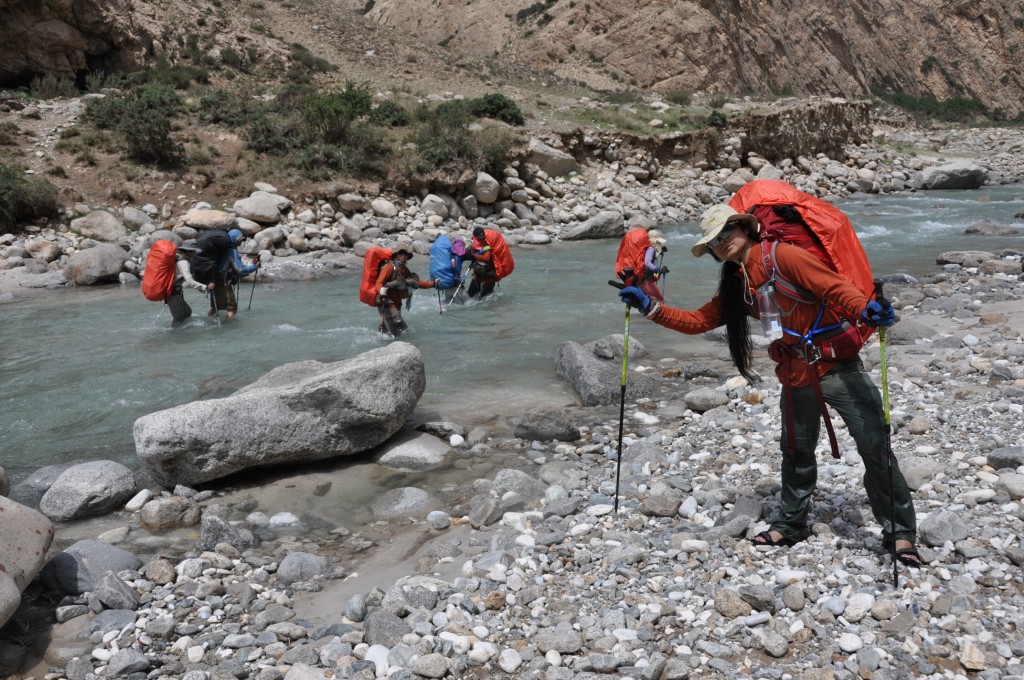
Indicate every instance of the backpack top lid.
{"type": "Point", "coordinates": [829, 225]}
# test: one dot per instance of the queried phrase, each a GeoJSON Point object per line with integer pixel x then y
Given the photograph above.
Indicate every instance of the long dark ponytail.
{"type": "Point", "coordinates": [732, 294]}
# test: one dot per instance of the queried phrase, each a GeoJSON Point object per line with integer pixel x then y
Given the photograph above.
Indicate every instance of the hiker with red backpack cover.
{"type": "Point", "coordinates": [815, 368]}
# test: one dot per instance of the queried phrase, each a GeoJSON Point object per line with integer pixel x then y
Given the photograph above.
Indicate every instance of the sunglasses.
{"type": "Point", "coordinates": [723, 235]}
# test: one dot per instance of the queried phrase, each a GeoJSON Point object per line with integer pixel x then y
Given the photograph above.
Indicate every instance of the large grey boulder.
{"type": "Point", "coordinates": [95, 265]}
{"type": "Point", "coordinates": [298, 412]}
{"type": "Point", "coordinates": [302, 566]}
{"type": "Point", "coordinates": [260, 207]}
{"type": "Point", "coordinates": [82, 565]}
{"type": "Point", "coordinates": [30, 491]}
{"type": "Point", "coordinates": [955, 175]}
{"type": "Point", "coordinates": [88, 489]}
{"type": "Point", "coordinates": [414, 450]}
{"type": "Point", "coordinates": [99, 225]}
{"type": "Point", "coordinates": [908, 332]}
{"type": "Point", "coordinates": [597, 382]}
{"type": "Point", "coordinates": [484, 188]}
{"type": "Point", "coordinates": [407, 501]}
{"type": "Point", "coordinates": [203, 219]}
{"type": "Point", "coordinates": [25, 536]}
{"type": "Point", "coordinates": [606, 224]}
{"type": "Point", "coordinates": [551, 160]}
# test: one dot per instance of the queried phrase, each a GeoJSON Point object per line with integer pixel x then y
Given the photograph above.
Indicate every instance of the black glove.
{"type": "Point", "coordinates": [879, 313]}
{"type": "Point", "coordinates": [412, 283]}
{"type": "Point", "coordinates": [636, 298]}
{"type": "Point", "coordinates": [663, 270]}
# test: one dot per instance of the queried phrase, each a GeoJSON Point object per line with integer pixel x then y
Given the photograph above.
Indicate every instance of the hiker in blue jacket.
{"type": "Point", "coordinates": [231, 268]}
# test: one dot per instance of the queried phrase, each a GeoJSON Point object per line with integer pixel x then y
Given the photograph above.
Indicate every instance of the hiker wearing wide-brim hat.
{"type": "Point", "coordinates": [654, 265]}
{"type": "Point", "coordinates": [180, 309]}
{"type": "Point", "coordinates": [395, 283]}
{"type": "Point", "coordinates": [481, 258]}
{"type": "Point", "coordinates": [734, 239]}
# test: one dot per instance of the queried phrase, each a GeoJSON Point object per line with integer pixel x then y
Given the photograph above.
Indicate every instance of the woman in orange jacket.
{"type": "Point", "coordinates": [733, 239]}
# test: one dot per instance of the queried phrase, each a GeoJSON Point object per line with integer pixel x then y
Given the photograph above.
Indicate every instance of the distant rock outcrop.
{"type": "Point", "coordinates": [66, 37]}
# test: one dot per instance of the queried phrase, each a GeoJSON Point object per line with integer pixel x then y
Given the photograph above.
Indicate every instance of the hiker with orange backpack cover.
{"type": "Point", "coordinates": [811, 376]}
{"type": "Point", "coordinates": [180, 309]}
{"type": "Point", "coordinates": [393, 285]}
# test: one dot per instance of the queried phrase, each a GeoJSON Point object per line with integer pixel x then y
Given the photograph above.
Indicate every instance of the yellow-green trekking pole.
{"type": "Point", "coordinates": [888, 432]}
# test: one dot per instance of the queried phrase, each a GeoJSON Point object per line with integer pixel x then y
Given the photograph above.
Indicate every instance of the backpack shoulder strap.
{"type": "Point", "coordinates": [782, 284]}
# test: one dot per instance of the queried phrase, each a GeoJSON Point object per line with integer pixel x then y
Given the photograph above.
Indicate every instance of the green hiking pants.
{"type": "Point", "coordinates": [850, 392]}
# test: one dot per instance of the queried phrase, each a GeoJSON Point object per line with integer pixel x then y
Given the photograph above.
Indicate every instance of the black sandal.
{"type": "Point", "coordinates": [909, 556]}
{"type": "Point", "coordinates": [766, 539]}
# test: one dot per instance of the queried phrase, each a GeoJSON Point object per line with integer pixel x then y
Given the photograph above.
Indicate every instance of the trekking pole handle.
{"type": "Point", "coordinates": [879, 296]}
{"type": "Point", "coordinates": [617, 284]}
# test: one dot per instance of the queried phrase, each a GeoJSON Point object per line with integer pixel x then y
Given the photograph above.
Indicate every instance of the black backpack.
{"type": "Point", "coordinates": [213, 248]}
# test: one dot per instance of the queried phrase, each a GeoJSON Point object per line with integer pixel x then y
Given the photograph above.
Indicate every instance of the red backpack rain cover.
{"type": "Point", "coordinates": [831, 237]}
{"type": "Point", "coordinates": [500, 254]}
{"type": "Point", "coordinates": [631, 255]}
{"type": "Point", "coordinates": [158, 277]}
{"type": "Point", "coordinates": [372, 262]}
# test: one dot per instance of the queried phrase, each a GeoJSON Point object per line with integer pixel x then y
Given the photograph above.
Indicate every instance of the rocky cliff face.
{"type": "Point", "coordinates": [945, 48]}
{"type": "Point", "coordinates": [66, 37]}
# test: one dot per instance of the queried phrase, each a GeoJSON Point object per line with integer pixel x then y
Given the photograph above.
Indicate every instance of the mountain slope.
{"type": "Point", "coordinates": [946, 49]}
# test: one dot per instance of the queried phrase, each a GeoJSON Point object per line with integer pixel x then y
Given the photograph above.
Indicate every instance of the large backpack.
{"type": "Point", "coordinates": [501, 256]}
{"type": "Point", "coordinates": [629, 263]}
{"type": "Point", "coordinates": [213, 246]}
{"type": "Point", "coordinates": [373, 262]}
{"type": "Point", "coordinates": [788, 215]}
{"type": "Point", "coordinates": [161, 270]}
{"type": "Point", "coordinates": [441, 263]}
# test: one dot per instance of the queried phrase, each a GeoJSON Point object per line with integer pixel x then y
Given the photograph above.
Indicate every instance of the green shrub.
{"type": "Point", "coordinates": [8, 132]}
{"type": "Point", "coordinates": [957, 109]}
{"type": "Point", "coordinates": [716, 119]}
{"type": "Point", "coordinates": [51, 86]}
{"type": "Point", "coordinates": [679, 97]}
{"type": "Point", "coordinates": [24, 197]}
{"type": "Point", "coordinates": [141, 119]}
{"type": "Point", "coordinates": [267, 135]}
{"type": "Point", "coordinates": [390, 114]}
{"type": "Point", "coordinates": [497, 106]}
{"type": "Point", "coordinates": [718, 101]}
{"type": "Point", "coordinates": [444, 136]}
{"type": "Point", "coordinates": [232, 58]}
{"type": "Point", "coordinates": [329, 115]}
{"type": "Point", "coordinates": [226, 107]}
{"type": "Point", "coordinates": [309, 61]}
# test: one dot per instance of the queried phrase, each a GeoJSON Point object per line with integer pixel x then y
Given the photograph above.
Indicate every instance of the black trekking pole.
{"type": "Point", "coordinates": [255, 275]}
{"type": "Point", "coordinates": [888, 433]}
{"type": "Point", "coordinates": [622, 397]}
{"type": "Point", "coordinates": [661, 260]}
{"type": "Point", "coordinates": [213, 304]}
{"type": "Point", "coordinates": [440, 309]}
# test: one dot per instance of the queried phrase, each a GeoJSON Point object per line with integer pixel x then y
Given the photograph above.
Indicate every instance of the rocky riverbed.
{"type": "Point", "coordinates": [528, 572]}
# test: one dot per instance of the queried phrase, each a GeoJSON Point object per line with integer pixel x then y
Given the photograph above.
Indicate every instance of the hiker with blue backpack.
{"type": "Point", "coordinates": [817, 337]}
{"type": "Point", "coordinates": [446, 258]}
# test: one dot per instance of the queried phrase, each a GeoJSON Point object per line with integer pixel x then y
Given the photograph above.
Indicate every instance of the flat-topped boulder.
{"type": "Point", "coordinates": [298, 412]}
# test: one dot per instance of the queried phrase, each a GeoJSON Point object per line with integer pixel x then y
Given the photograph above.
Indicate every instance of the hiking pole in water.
{"type": "Point", "coordinates": [255, 275]}
{"type": "Point", "coordinates": [622, 397]}
{"type": "Point", "coordinates": [213, 304]}
{"type": "Point", "coordinates": [461, 281]}
{"type": "Point", "coordinates": [888, 433]}
{"type": "Point", "coordinates": [440, 309]}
